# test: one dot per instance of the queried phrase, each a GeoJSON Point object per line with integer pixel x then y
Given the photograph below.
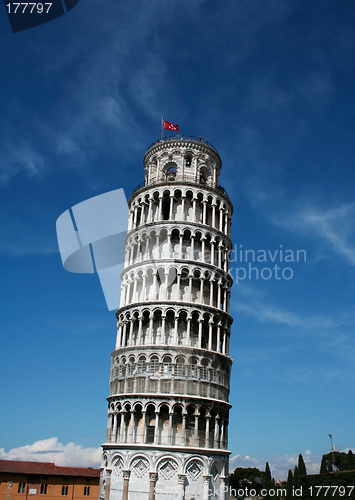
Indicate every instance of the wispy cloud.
{"type": "Point", "coordinates": [17, 252]}
{"type": "Point", "coordinates": [335, 226]}
{"type": "Point", "coordinates": [270, 313]}
{"type": "Point", "coordinates": [51, 450]}
{"type": "Point", "coordinates": [279, 464]}
{"type": "Point", "coordinates": [23, 157]}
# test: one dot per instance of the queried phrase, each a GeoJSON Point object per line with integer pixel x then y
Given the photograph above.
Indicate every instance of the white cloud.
{"type": "Point", "coordinates": [335, 226]}
{"type": "Point", "coordinates": [270, 313]}
{"type": "Point", "coordinates": [20, 157]}
{"type": "Point", "coordinates": [279, 464]}
{"type": "Point", "coordinates": [15, 252]}
{"type": "Point", "coordinates": [51, 450]}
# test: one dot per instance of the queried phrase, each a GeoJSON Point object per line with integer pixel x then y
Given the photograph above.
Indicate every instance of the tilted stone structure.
{"type": "Point", "coordinates": [168, 407]}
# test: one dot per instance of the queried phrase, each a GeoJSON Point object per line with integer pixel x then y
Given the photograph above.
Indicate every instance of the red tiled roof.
{"type": "Point", "coordinates": [46, 469]}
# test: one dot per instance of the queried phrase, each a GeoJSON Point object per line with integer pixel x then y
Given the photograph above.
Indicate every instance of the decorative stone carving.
{"type": "Point", "coordinates": [168, 468]}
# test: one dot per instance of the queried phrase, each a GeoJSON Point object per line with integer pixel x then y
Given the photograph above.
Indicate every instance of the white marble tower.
{"type": "Point", "coordinates": [168, 407]}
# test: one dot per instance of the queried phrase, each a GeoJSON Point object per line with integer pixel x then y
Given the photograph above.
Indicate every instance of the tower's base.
{"type": "Point", "coordinates": [163, 473]}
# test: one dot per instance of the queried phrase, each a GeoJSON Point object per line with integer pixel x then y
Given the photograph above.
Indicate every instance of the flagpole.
{"type": "Point", "coordinates": [162, 127]}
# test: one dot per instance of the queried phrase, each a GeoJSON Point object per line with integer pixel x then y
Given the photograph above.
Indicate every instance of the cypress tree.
{"type": "Point", "coordinates": [302, 471]}
{"type": "Point", "coordinates": [296, 481]}
{"type": "Point", "coordinates": [267, 480]}
{"type": "Point", "coordinates": [289, 484]}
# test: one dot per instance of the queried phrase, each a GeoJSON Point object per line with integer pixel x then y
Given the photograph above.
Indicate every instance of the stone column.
{"type": "Point", "coordinates": [218, 337]}
{"type": "Point", "coordinates": [134, 296]}
{"type": "Point", "coordinates": [210, 331]}
{"type": "Point", "coordinates": [139, 339]}
{"type": "Point", "coordinates": [220, 255]}
{"type": "Point", "coordinates": [206, 487]}
{"type": "Point", "coordinates": [178, 286]}
{"type": "Point", "coordinates": [170, 427]}
{"type": "Point", "coordinates": [225, 268]}
{"type": "Point", "coordinates": [214, 214]}
{"type": "Point", "coordinates": [171, 207]}
{"type": "Point", "coordinates": [119, 335]}
{"type": "Point", "coordinates": [192, 246]}
{"type": "Point", "coordinates": [108, 484]}
{"type": "Point", "coordinates": [201, 289]}
{"type": "Point", "coordinates": [101, 484]}
{"type": "Point", "coordinates": [219, 295]}
{"type": "Point", "coordinates": [176, 320]}
{"type": "Point", "coordinates": [223, 488]}
{"type": "Point", "coordinates": [226, 223]}
{"type": "Point", "coordinates": [224, 341]}
{"type": "Point", "coordinates": [109, 427]}
{"type": "Point", "coordinates": [220, 219]}
{"type": "Point", "coordinates": [114, 431]}
{"type": "Point", "coordinates": [182, 207]}
{"type": "Point", "coordinates": [150, 210]}
{"type": "Point", "coordinates": [146, 250]}
{"type": "Point", "coordinates": [151, 328]}
{"type": "Point", "coordinates": [156, 430]}
{"type": "Point", "coordinates": [164, 286]}
{"type": "Point", "coordinates": [204, 211]}
{"type": "Point", "coordinates": [163, 319]}
{"type": "Point", "coordinates": [143, 212]}
{"type": "Point", "coordinates": [190, 288]}
{"type": "Point", "coordinates": [126, 476]}
{"type": "Point", "coordinates": [183, 430]}
{"type": "Point", "coordinates": [221, 438]}
{"type": "Point", "coordinates": [180, 245]}
{"type": "Point", "coordinates": [135, 217]}
{"type": "Point", "coordinates": [123, 343]}
{"type": "Point", "coordinates": [131, 324]}
{"type": "Point", "coordinates": [157, 253]}
{"type": "Point", "coordinates": [203, 243]}
{"type": "Point", "coordinates": [143, 427]}
{"type": "Point", "coordinates": [207, 434]}
{"type": "Point", "coordinates": [199, 345]}
{"type": "Point", "coordinates": [153, 476]}
{"type": "Point", "coordinates": [194, 209]}
{"type": "Point", "coordinates": [130, 220]}
{"type": "Point", "coordinates": [188, 333]}
{"type": "Point", "coordinates": [131, 427]}
{"type": "Point", "coordinates": [216, 421]}
{"type": "Point", "coordinates": [196, 429]}
{"type": "Point", "coordinates": [160, 208]}
{"type": "Point", "coordinates": [211, 291]}
{"type": "Point", "coordinates": [181, 483]}
{"type": "Point", "coordinates": [213, 249]}
{"type": "Point", "coordinates": [123, 424]}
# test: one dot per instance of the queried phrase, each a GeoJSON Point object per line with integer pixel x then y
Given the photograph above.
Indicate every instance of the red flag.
{"type": "Point", "coordinates": [171, 126]}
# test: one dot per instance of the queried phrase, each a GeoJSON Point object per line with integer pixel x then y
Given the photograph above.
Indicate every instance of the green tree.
{"type": "Point", "coordinates": [341, 460]}
{"type": "Point", "coordinates": [324, 465]}
{"type": "Point", "coordinates": [267, 482]}
{"type": "Point", "coordinates": [302, 471]}
{"type": "Point", "coordinates": [296, 481]}
{"type": "Point", "coordinates": [289, 484]}
{"type": "Point", "coordinates": [351, 460]}
{"type": "Point", "coordinates": [250, 477]}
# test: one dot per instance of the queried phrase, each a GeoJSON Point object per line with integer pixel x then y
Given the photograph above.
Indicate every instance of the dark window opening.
{"type": "Point", "coordinates": [150, 434]}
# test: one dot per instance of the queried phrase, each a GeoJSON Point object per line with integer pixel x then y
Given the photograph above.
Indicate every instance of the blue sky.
{"type": "Point", "coordinates": [271, 86]}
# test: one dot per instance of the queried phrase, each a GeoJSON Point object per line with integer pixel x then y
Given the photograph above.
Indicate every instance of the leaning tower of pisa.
{"type": "Point", "coordinates": [167, 434]}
